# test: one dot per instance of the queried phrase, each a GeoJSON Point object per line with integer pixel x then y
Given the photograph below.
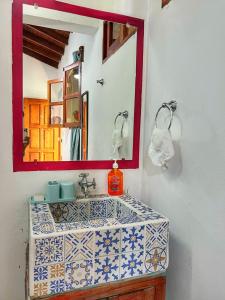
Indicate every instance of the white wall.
{"type": "Point", "coordinates": [106, 101]}
{"type": "Point", "coordinates": [16, 187]}
{"type": "Point", "coordinates": [35, 77]}
{"type": "Point", "coordinates": [187, 64]}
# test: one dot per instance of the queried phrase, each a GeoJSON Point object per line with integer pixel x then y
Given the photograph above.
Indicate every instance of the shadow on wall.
{"type": "Point", "coordinates": [180, 257]}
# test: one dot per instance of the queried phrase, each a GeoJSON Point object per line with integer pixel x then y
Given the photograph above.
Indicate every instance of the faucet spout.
{"type": "Point", "coordinates": [85, 184]}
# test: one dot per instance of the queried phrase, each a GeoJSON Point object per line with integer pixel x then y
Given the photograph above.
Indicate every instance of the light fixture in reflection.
{"type": "Point", "coordinates": [77, 76]}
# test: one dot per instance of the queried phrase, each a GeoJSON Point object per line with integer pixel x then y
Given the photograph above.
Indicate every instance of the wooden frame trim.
{"type": "Point", "coordinates": [17, 97]}
{"type": "Point", "coordinates": [49, 83]}
{"type": "Point", "coordinates": [67, 97]}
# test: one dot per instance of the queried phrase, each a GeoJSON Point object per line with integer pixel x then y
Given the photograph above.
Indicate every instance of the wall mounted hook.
{"type": "Point", "coordinates": [101, 81]}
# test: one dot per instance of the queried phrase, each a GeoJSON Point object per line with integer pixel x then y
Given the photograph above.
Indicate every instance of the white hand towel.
{"type": "Point", "coordinates": [161, 148]}
{"type": "Point", "coordinates": [117, 142]}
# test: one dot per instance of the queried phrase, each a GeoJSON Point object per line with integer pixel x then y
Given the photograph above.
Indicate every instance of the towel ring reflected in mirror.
{"type": "Point", "coordinates": [171, 106]}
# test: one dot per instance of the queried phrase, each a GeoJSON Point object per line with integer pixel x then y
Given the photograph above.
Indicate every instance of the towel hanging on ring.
{"type": "Point", "coordinates": [161, 148]}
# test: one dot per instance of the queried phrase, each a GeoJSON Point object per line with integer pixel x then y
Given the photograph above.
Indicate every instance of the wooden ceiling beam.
{"type": "Point", "coordinates": [42, 51]}
{"type": "Point", "coordinates": [66, 34]}
{"type": "Point", "coordinates": [40, 57]}
{"type": "Point", "coordinates": [38, 32]}
{"type": "Point", "coordinates": [40, 41]}
{"type": "Point", "coordinates": [53, 34]}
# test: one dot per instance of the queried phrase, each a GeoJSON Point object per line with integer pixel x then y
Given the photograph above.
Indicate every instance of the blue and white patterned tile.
{"type": "Point", "coordinates": [84, 210]}
{"type": "Point", "coordinates": [157, 235]}
{"type": "Point", "coordinates": [49, 272]}
{"type": "Point", "coordinates": [62, 226]}
{"type": "Point", "coordinates": [41, 273]}
{"type": "Point", "coordinates": [98, 209]}
{"type": "Point", "coordinates": [156, 260]}
{"type": "Point", "coordinates": [151, 216]}
{"type": "Point", "coordinates": [79, 246]}
{"type": "Point", "coordinates": [73, 215]}
{"type": "Point", "coordinates": [79, 274]}
{"type": "Point", "coordinates": [44, 227]}
{"type": "Point", "coordinates": [49, 250]}
{"type": "Point", "coordinates": [106, 269]}
{"type": "Point", "coordinates": [40, 217]}
{"type": "Point", "coordinates": [113, 221]}
{"type": "Point", "coordinates": [130, 219]}
{"type": "Point", "coordinates": [39, 207]}
{"type": "Point", "coordinates": [111, 208]}
{"type": "Point", "coordinates": [97, 223]}
{"type": "Point", "coordinates": [48, 279]}
{"type": "Point", "coordinates": [57, 286]}
{"type": "Point", "coordinates": [132, 238]}
{"type": "Point", "coordinates": [107, 242]}
{"type": "Point", "coordinates": [123, 211]}
{"type": "Point", "coordinates": [132, 264]}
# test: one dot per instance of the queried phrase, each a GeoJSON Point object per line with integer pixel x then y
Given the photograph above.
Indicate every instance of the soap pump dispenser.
{"type": "Point", "coordinates": [115, 181]}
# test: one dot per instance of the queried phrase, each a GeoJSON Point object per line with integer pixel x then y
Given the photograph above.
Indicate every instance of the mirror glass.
{"type": "Point", "coordinates": [78, 87]}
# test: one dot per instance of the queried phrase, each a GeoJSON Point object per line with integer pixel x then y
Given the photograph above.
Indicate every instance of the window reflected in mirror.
{"type": "Point", "coordinates": [73, 111]}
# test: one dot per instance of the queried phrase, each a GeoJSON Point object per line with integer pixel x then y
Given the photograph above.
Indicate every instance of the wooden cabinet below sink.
{"type": "Point", "coordinates": [148, 288]}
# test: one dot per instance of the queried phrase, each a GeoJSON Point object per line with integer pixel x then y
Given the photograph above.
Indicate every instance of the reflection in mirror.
{"type": "Point", "coordinates": [68, 114]}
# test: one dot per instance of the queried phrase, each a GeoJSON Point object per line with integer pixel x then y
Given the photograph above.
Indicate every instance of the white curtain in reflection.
{"type": "Point", "coordinates": [66, 142]}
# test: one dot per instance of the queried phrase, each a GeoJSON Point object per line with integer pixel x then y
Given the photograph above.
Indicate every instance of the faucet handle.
{"type": "Point", "coordinates": [84, 175]}
{"type": "Point", "coordinates": [94, 183]}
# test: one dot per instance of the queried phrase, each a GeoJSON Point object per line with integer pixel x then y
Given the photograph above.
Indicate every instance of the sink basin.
{"type": "Point", "coordinates": [94, 241]}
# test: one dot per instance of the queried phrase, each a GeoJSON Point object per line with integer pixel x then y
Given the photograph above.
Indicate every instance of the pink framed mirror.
{"type": "Point", "coordinates": [47, 38]}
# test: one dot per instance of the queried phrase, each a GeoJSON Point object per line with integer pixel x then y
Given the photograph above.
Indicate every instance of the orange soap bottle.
{"type": "Point", "coordinates": [115, 181]}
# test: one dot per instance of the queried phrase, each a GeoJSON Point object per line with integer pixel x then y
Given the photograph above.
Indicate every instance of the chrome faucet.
{"type": "Point", "coordinates": [85, 184]}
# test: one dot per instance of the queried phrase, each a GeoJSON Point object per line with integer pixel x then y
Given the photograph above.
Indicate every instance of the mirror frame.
{"type": "Point", "coordinates": [17, 81]}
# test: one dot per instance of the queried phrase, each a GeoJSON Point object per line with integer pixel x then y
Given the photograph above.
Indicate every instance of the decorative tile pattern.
{"type": "Point", "coordinates": [57, 271]}
{"type": "Point", "coordinates": [111, 208]}
{"type": "Point", "coordinates": [106, 269]}
{"type": "Point", "coordinates": [41, 217]}
{"type": "Point", "coordinates": [49, 250]}
{"type": "Point", "coordinates": [151, 216]}
{"type": "Point", "coordinates": [79, 274]}
{"type": "Point", "coordinates": [132, 239]}
{"type": "Point", "coordinates": [98, 209]}
{"type": "Point", "coordinates": [145, 212]}
{"type": "Point", "coordinates": [99, 246]}
{"type": "Point", "coordinates": [156, 260]}
{"type": "Point", "coordinates": [157, 235]}
{"type": "Point", "coordinates": [41, 273]}
{"type": "Point", "coordinates": [44, 227]}
{"type": "Point", "coordinates": [84, 211]}
{"type": "Point", "coordinates": [62, 226]}
{"type": "Point", "coordinates": [39, 207]}
{"type": "Point", "coordinates": [41, 289]}
{"type": "Point", "coordinates": [130, 219]}
{"type": "Point", "coordinates": [123, 211]}
{"type": "Point", "coordinates": [79, 246]}
{"type": "Point", "coordinates": [132, 264]}
{"type": "Point", "coordinates": [107, 242]}
{"type": "Point", "coordinates": [57, 286]}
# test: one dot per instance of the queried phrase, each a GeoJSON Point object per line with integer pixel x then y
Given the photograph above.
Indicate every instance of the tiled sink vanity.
{"type": "Point", "coordinates": [91, 242]}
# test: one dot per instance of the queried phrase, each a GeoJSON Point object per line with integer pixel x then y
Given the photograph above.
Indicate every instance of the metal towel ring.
{"type": "Point", "coordinates": [171, 106]}
{"type": "Point", "coordinates": [123, 114]}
